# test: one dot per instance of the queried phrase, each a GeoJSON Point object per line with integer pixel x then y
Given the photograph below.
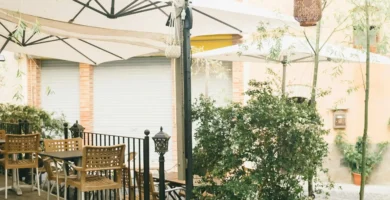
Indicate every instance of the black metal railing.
{"type": "Point", "coordinates": [16, 128]}
{"type": "Point", "coordinates": [140, 161]}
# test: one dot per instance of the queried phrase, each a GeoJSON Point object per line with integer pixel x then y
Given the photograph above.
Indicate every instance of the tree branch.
{"type": "Point", "coordinates": [334, 31]}
{"type": "Point", "coordinates": [311, 46]}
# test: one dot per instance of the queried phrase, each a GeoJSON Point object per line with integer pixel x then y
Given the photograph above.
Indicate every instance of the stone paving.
{"type": "Point", "coordinates": [351, 192]}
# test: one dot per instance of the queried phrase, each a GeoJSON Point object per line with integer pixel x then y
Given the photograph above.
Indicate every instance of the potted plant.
{"type": "Point", "coordinates": [353, 156]}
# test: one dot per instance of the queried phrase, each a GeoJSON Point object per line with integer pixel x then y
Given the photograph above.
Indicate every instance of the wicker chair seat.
{"type": "Point", "coordinates": [95, 183]}
{"type": "Point", "coordinates": [19, 164]}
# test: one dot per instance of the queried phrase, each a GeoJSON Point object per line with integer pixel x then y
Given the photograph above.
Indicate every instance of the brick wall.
{"type": "Point", "coordinates": [238, 82]}
{"type": "Point", "coordinates": [86, 96]}
{"type": "Point", "coordinates": [34, 82]}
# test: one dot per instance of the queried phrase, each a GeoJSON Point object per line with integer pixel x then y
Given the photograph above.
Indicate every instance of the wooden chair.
{"type": "Point", "coordinates": [128, 184]}
{"type": "Point", "coordinates": [154, 194]}
{"type": "Point", "coordinates": [96, 160]}
{"type": "Point", "coordinates": [2, 137]}
{"type": "Point", "coordinates": [139, 177]}
{"type": "Point", "coordinates": [54, 172]}
{"type": "Point", "coordinates": [74, 144]}
{"type": "Point", "coordinates": [21, 144]}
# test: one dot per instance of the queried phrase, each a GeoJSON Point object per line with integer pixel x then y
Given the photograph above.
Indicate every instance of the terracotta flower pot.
{"type": "Point", "coordinates": [357, 178]}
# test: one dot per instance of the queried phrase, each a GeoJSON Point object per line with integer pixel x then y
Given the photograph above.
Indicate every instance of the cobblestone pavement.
{"type": "Point", "coordinates": [351, 192]}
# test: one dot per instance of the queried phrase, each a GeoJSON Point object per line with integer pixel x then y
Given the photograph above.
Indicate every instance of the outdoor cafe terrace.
{"type": "Point", "coordinates": [115, 166]}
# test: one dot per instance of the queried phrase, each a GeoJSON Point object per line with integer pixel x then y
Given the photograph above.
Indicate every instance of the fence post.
{"type": "Point", "coordinates": [66, 130]}
{"type": "Point", "coordinates": [146, 166]}
{"type": "Point", "coordinates": [26, 127]}
{"type": "Point", "coordinates": [20, 128]}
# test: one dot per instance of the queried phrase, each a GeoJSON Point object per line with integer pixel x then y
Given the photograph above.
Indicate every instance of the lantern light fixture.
{"type": "Point", "coordinates": [307, 12]}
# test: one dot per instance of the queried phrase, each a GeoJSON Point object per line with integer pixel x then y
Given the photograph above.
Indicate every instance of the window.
{"type": "Point", "coordinates": [359, 37]}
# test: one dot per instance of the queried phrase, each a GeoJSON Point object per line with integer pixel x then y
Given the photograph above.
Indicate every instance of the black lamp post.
{"type": "Point", "coordinates": [77, 130]}
{"type": "Point", "coordinates": [161, 140]}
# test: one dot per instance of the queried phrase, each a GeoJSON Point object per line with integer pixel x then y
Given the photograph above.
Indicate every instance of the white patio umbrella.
{"type": "Point", "coordinates": [292, 50]}
{"type": "Point", "coordinates": [58, 44]}
{"type": "Point", "coordinates": [210, 16]}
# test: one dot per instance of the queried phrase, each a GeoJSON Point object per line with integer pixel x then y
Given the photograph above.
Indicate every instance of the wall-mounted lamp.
{"type": "Point", "coordinates": [339, 119]}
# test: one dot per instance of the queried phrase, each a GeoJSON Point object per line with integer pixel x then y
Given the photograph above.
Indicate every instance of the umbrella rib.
{"type": "Point", "coordinates": [101, 6]}
{"type": "Point", "coordinates": [145, 6]}
{"type": "Point", "coordinates": [90, 7]}
{"type": "Point", "coordinates": [9, 32]}
{"type": "Point", "coordinates": [6, 42]}
{"type": "Point", "coordinates": [299, 59]}
{"type": "Point", "coordinates": [44, 38]}
{"type": "Point", "coordinates": [78, 13]}
{"type": "Point", "coordinates": [262, 57]}
{"type": "Point", "coordinates": [141, 11]}
{"type": "Point", "coordinates": [168, 4]}
{"type": "Point", "coordinates": [31, 37]}
{"type": "Point", "coordinates": [47, 41]}
{"type": "Point", "coordinates": [218, 20]}
{"type": "Point", "coordinates": [101, 49]}
{"type": "Point", "coordinates": [126, 7]}
{"type": "Point", "coordinates": [77, 51]}
{"type": "Point", "coordinates": [132, 6]}
{"type": "Point", "coordinates": [112, 7]}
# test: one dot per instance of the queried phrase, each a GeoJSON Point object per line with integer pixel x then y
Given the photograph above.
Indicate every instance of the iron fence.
{"type": "Point", "coordinates": [16, 128]}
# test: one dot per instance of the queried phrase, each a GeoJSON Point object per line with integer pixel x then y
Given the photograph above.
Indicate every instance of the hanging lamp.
{"type": "Point", "coordinates": [307, 12]}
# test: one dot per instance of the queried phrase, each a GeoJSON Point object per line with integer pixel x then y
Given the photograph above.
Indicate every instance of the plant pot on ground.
{"type": "Point", "coordinates": [353, 156]}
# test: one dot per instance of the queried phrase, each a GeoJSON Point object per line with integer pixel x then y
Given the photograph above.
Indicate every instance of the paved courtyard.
{"type": "Point", "coordinates": [351, 192]}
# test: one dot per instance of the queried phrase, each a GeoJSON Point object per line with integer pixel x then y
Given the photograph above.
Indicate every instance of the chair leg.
{"type": "Point", "coordinates": [120, 194]}
{"type": "Point", "coordinates": [48, 189]}
{"type": "Point", "coordinates": [32, 179]}
{"type": "Point", "coordinates": [6, 183]}
{"type": "Point", "coordinates": [39, 188]}
{"type": "Point", "coordinates": [58, 187]}
{"type": "Point", "coordinates": [65, 189]}
{"type": "Point", "coordinates": [17, 177]}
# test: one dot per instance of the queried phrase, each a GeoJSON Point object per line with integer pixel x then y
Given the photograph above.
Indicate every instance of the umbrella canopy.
{"type": "Point", "coordinates": [210, 17]}
{"type": "Point", "coordinates": [297, 49]}
{"type": "Point", "coordinates": [292, 50]}
{"type": "Point", "coordinates": [77, 47]}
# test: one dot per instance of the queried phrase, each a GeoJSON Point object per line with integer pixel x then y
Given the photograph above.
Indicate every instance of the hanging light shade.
{"type": "Point", "coordinates": [307, 12]}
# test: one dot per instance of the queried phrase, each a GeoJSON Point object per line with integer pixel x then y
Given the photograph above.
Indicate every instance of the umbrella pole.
{"type": "Point", "coordinates": [284, 62]}
{"type": "Point", "coordinates": [187, 99]}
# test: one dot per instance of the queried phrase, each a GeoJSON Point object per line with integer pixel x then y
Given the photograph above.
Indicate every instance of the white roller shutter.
{"type": "Point", "coordinates": [134, 95]}
{"type": "Point", "coordinates": [62, 77]}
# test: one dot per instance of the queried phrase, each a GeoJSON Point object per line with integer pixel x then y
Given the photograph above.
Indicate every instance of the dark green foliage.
{"type": "Point", "coordinates": [283, 139]}
{"type": "Point", "coordinates": [38, 119]}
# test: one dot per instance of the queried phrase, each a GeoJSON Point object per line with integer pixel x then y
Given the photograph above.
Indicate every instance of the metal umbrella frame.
{"type": "Point", "coordinates": [80, 50]}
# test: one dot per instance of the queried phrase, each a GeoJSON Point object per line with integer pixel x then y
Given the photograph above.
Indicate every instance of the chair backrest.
{"type": "Point", "coordinates": [22, 143]}
{"type": "Point", "coordinates": [2, 134]}
{"type": "Point", "coordinates": [139, 176]}
{"type": "Point", "coordinates": [74, 144]}
{"type": "Point", "coordinates": [103, 158]}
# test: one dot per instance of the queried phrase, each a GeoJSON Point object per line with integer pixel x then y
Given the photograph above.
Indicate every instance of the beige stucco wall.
{"type": "Point", "coordinates": [10, 84]}
{"type": "Point", "coordinates": [353, 75]}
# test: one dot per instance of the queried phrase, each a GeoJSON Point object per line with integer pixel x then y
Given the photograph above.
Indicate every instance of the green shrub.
{"type": "Point", "coordinates": [353, 154]}
{"type": "Point", "coordinates": [39, 120]}
{"type": "Point", "coordinates": [282, 138]}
